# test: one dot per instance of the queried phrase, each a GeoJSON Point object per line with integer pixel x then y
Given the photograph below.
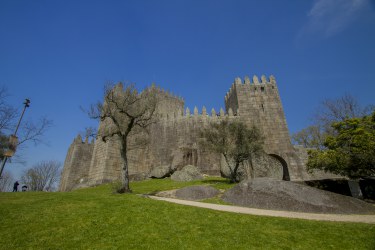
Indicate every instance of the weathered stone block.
{"type": "Point", "coordinates": [188, 173]}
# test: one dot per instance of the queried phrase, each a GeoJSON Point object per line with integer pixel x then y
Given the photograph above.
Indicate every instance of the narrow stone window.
{"type": "Point", "coordinates": [262, 107]}
{"type": "Point", "coordinates": [262, 89]}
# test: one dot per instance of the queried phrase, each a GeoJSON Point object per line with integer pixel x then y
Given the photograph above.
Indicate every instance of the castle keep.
{"type": "Point", "coordinates": [173, 140]}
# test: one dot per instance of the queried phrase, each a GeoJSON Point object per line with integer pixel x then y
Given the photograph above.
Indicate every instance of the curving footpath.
{"type": "Point", "coordinates": [370, 219]}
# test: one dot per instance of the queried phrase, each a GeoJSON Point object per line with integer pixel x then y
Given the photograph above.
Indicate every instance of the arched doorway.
{"type": "Point", "coordinates": [286, 176]}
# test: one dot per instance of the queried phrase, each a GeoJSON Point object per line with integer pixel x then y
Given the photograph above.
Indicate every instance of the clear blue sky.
{"type": "Point", "coordinates": [61, 53]}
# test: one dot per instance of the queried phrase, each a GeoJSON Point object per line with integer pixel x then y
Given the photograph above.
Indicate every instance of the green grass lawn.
{"type": "Point", "coordinates": [94, 218]}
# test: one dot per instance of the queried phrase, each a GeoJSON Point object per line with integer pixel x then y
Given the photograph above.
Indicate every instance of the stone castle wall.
{"type": "Point", "coordinates": [77, 164]}
{"type": "Point", "coordinates": [174, 139]}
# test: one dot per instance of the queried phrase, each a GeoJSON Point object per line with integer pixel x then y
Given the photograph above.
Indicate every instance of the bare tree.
{"type": "Point", "coordinates": [34, 132]}
{"type": "Point", "coordinates": [310, 137]}
{"type": "Point", "coordinates": [43, 176]}
{"type": "Point", "coordinates": [6, 182]}
{"type": "Point", "coordinates": [339, 109]}
{"type": "Point", "coordinates": [89, 132]}
{"type": "Point", "coordinates": [8, 113]}
{"type": "Point", "coordinates": [126, 114]}
{"type": "Point", "coordinates": [329, 111]}
{"type": "Point", "coordinates": [236, 142]}
{"type": "Point", "coordinates": [28, 131]}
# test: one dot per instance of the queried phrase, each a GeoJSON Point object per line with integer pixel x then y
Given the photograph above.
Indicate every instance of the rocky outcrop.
{"type": "Point", "coordinates": [274, 194]}
{"type": "Point", "coordinates": [160, 172]}
{"type": "Point", "coordinates": [263, 166]}
{"type": "Point", "coordinates": [188, 173]}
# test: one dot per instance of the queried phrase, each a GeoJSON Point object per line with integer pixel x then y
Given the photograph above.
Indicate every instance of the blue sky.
{"type": "Point", "coordinates": [61, 53]}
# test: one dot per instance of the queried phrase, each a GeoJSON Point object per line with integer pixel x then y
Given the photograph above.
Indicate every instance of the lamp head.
{"type": "Point", "coordinates": [27, 102]}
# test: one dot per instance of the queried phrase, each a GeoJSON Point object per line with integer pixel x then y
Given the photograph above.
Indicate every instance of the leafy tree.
{"type": "Point", "coordinates": [350, 151]}
{"type": "Point", "coordinates": [236, 142]}
{"type": "Point", "coordinates": [126, 114]}
{"type": "Point", "coordinates": [43, 176]}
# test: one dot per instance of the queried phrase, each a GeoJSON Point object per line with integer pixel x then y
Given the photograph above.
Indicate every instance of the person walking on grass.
{"type": "Point", "coordinates": [15, 186]}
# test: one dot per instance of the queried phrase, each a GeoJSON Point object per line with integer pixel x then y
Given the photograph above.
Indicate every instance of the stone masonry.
{"type": "Point", "coordinates": [173, 140]}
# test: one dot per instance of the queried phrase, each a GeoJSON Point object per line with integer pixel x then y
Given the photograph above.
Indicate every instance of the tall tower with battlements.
{"type": "Point", "coordinates": [258, 103]}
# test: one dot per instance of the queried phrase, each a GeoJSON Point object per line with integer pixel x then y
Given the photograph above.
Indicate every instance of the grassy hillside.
{"type": "Point", "coordinates": [94, 218]}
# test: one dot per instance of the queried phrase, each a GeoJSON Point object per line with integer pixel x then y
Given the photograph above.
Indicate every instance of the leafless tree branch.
{"type": "Point", "coordinates": [28, 131]}
{"type": "Point", "coordinates": [34, 131]}
{"type": "Point", "coordinates": [125, 113]}
{"type": "Point", "coordinates": [43, 176]}
{"type": "Point", "coordinates": [6, 182]}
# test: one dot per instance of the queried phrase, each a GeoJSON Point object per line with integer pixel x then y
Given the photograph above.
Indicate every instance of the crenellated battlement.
{"type": "Point", "coordinates": [163, 93]}
{"type": "Point", "coordinates": [252, 84]}
{"type": "Point", "coordinates": [213, 115]}
{"type": "Point", "coordinates": [78, 140]}
{"type": "Point", "coordinates": [154, 88]}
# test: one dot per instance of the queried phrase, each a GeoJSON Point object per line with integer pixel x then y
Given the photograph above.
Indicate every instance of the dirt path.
{"type": "Point", "coordinates": [245, 210]}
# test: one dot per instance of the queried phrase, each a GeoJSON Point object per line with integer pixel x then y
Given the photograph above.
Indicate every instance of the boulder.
{"type": "Point", "coordinates": [274, 194]}
{"type": "Point", "coordinates": [181, 176]}
{"type": "Point", "coordinates": [196, 193]}
{"type": "Point", "coordinates": [264, 166]}
{"type": "Point", "coordinates": [160, 172]}
{"type": "Point", "coordinates": [188, 173]}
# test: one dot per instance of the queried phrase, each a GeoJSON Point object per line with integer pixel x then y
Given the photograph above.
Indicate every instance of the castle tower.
{"type": "Point", "coordinates": [258, 103]}
{"type": "Point", "coordinates": [77, 164]}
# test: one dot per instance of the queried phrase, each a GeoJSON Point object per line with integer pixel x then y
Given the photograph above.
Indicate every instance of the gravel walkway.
{"type": "Point", "coordinates": [370, 219]}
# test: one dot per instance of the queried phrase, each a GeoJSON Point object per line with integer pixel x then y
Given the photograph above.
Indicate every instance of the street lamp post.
{"type": "Point", "coordinates": [27, 104]}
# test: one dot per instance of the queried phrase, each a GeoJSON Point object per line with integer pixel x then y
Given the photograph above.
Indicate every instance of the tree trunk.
{"type": "Point", "coordinates": [251, 166]}
{"type": "Point", "coordinates": [125, 169]}
{"type": "Point", "coordinates": [355, 189]}
{"type": "Point", "coordinates": [232, 172]}
{"type": "Point", "coordinates": [233, 176]}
